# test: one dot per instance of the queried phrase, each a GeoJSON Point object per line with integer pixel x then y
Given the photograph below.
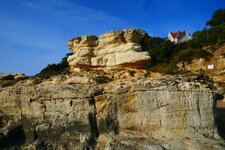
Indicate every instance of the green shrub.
{"type": "Point", "coordinates": [189, 54]}
{"type": "Point", "coordinates": [165, 55]}
{"type": "Point", "coordinates": [55, 69]}
{"type": "Point", "coordinates": [213, 35]}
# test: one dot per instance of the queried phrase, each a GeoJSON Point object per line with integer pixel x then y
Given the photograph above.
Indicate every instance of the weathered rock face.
{"type": "Point", "coordinates": [116, 48]}
{"type": "Point", "coordinates": [158, 110]}
{"type": "Point", "coordinates": [132, 112]}
{"type": "Point", "coordinates": [59, 113]}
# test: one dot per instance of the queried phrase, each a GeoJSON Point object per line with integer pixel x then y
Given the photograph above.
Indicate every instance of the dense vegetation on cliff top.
{"type": "Point", "coordinates": [165, 54]}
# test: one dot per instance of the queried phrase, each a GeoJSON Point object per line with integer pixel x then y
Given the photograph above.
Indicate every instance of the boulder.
{"type": "Point", "coordinates": [116, 48]}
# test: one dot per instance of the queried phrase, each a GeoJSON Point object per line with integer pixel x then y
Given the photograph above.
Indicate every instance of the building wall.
{"type": "Point", "coordinates": [183, 38]}
{"type": "Point", "coordinates": [169, 36]}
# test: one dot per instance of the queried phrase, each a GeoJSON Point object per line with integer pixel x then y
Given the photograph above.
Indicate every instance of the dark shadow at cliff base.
{"type": "Point", "coordinates": [14, 138]}
{"type": "Point", "coordinates": [220, 121]}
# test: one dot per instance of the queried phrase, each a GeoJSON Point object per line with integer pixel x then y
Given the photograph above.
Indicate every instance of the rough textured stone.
{"type": "Point", "coordinates": [115, 48]}
{"type": "Point", "coordinates": [48, 112]}
{"type": "Point", "coordinates": [125, 112]}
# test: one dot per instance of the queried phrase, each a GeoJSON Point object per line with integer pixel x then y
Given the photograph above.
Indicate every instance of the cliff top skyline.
{"type": "Point", "coordinates": [35, 33]}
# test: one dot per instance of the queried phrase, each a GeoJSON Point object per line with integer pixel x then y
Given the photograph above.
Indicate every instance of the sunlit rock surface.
{"type": "Point", "coordinates": [115, 48]}
{"type": "Point", "coordinates": [113, 109]}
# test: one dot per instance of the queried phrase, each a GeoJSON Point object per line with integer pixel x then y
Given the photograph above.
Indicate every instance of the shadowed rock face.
{"type": "Point", "coordinates": [131, 112]}
{"type": "Point", "coordinates": [115, 48]}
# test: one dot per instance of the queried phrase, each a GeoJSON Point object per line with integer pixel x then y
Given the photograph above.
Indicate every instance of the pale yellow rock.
{"type": "Point", "coordinates": [131, 57]}
{"type": "Point", "coordinates": [134, 35]}
{"type": "Point", "coordinates": [115, 48]}
{"type": "Point", "coordinates": [84, 41]}
{"type": "Point", "coordinates": [128, 112]}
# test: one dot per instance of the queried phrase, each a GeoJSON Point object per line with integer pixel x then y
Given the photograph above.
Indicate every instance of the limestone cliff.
{"type": "Point", "coordinates": [115, 48]}
{"type": "Point", "coordinates": [113, 109]}
{"type": "Point", "coordinates": [108, 107]}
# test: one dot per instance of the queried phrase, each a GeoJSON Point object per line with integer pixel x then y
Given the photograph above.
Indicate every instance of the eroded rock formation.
{"type": "Point", "coordinates": [117, 109]}
{"type": "Point", "coordinates": [115, 48]}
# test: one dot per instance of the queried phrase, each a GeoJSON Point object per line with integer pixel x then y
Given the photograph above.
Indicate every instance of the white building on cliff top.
{"type": "Point", "coordinates": [178, 37]}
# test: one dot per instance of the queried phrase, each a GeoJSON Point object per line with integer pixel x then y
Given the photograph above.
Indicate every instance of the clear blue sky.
{"type": "Point", "coordinates": [34, 33]}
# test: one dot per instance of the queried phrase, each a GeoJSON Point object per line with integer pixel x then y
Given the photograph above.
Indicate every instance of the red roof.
{"type": "Point", "coordinates": [175, 35]}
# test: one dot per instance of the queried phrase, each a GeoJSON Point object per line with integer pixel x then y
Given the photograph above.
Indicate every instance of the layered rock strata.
{"type": "Point", "coordinates": [131, 112]}
{"type": "Point", "coordinates": [115, 48]}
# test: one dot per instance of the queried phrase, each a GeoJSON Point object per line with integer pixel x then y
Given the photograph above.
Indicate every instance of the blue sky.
{"type": "Point", "coordinates": [34, 33]}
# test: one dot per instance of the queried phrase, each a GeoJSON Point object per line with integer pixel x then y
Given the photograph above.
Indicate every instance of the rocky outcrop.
{"type": "Point", "coordinates": [116, 109]}
{"type": "Point", "coordinates": [217, 60]}
{"type": "Point", "coordinates": [11, 79]}
{"type": "Point", "coordinates": [115, 48]}
{"type": "Point", "coordinates": [17, 76]}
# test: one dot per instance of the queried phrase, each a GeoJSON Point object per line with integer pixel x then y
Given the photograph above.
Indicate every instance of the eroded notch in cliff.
{"type": "Point", "coordinates": [106, 114]}
{"type": "Point", "coordinates": [89, 140]}
{"type": "Point", "coordinates": [13, 138]}
{"type": "Point", "coordinates": [94, 130]}
{"type": "Point", "coordinates": [220, 119]}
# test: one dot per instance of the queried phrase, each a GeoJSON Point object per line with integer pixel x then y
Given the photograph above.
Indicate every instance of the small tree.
{"type": "Point", "coordinates": [218, 18]}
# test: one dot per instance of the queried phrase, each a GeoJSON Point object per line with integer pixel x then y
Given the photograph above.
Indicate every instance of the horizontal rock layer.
{"type": "Point", "coordinates": [115, 48]}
